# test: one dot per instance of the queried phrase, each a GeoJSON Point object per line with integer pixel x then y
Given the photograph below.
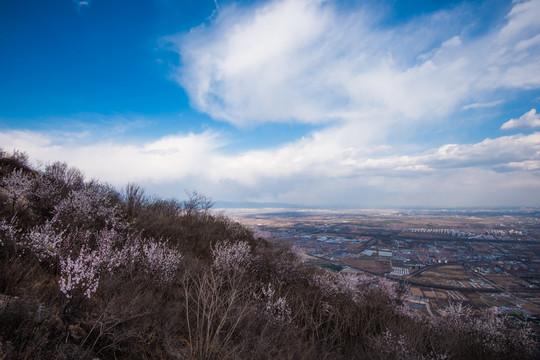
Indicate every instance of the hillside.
{"type": "Point", "coordinates": [87, 271]}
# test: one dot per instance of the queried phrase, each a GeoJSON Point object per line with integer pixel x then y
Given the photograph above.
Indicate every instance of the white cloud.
{"type": "Point", "coordinates": [529, 120]}
{"type": "Point", "coordinates": [300, 60]}
{"type": "Point", "coordinates": [482, 105]}
{"type": "Point", "coordinates": [487, 154]}
{"type": "Point", "coordinates": [528, 165]}
{"type": "Point", "coordinates": [454, 41]}
{"type": "Point", "coordinates": [170, 158]}
{"type": "Point", "coordinates": [522, 19]}
{"type": "Point", "coordinates": [528, 43]}
{"type": "Point", "coordinates": [317, 170]}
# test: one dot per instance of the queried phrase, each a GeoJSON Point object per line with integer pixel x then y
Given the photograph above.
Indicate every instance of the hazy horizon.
{"type": "Point", "coordinates": [231, 205]}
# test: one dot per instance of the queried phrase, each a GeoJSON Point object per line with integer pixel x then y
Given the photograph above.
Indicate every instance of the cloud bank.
{"type": "Point", "coordinates": [308, 172]}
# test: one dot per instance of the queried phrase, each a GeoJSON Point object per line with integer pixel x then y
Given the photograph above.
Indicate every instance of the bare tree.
{"type": "Point", "coordinates": [134, 200]}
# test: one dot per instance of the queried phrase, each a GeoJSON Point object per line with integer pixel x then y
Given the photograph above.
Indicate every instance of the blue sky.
{"type": "Point", "coordinates": [331, 103]}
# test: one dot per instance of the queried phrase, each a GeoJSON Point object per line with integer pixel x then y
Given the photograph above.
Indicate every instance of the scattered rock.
{"type": "Point", "coordinates": [76, 332]}
{"type": "Point", "coordinates": [56, 323]}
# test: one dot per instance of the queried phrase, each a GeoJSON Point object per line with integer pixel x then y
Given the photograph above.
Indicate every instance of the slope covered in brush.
{"type": "Point", "coordinates": [87, 271]}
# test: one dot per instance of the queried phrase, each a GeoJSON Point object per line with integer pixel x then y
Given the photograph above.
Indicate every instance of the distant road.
{"type": "Point", "coordinates": [451, 239]}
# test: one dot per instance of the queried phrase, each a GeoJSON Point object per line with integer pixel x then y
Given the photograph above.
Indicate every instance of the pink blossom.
{"type": "Point", "coordinates": [406, 310]}
{"type": "Point", "coordinates": [45, 241]}
{"type": "Point", "coordinates": [488, 329]}
{"type": "Point", "coordinates": [232, 257]}
{"type": "Point", "coordinates": [83, 273]}
{"type": "Point", "coordinates": [287, 268]}
{"type": "Point", "coordinates": [388, 287]}
{"type": "Point", "coordinates": [160, 260]}
{"type": "Point", "coordinates": [88, 205]}
{"type": "Point", "coordinates": [17, 186]}
{"type": "Point", "coordinates": [275, 308]}
{"type": "Point", "coordinates": [341, 284]}
{"type": "Point", "coordinates": [8, 231]}
{"type": "Point", "coordinates": [80, 275]}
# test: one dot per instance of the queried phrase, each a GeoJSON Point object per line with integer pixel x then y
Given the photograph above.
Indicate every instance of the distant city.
{"type": "Point", "coordinates": [488, 259]}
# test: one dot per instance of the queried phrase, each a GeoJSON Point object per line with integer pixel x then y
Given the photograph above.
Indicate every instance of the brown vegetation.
{"type": "Point", "coordinates": [86, 271]}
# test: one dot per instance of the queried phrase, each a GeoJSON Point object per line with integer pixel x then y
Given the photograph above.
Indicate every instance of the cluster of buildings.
{"type": "Point", "coordinates": [450, 232]}
{"type": "Point", "coordinates": [502, 260]}
{"type": "Point", "coordinates": [487, 235]}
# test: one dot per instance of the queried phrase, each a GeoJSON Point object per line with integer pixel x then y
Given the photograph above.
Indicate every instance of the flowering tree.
{"type": "Point", "coordinates": [45, 241]}
{"type": "Point", "coordinates": [160, 260]}
{"type": "Point", "coordinates": [80, 275]}
{"type": "Point", "coordinates": [341, 284]}
{"type": "Point", "coordinates": [275, 307]}
{"type": "Point", "coordinates": [114, 250]}
{"type": "Point", "coordinates": [17, 186]}
{"type": "Point", "coordinates": [8, 232]}
{"type": "Point", "coordinates": [484, 334]}
{"type": "Point", "coordinates": [232, 257]}
{"type": "Point", "coordinates": [91, 207]}
{"type": "Point", "coordinates": [395, 346]}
